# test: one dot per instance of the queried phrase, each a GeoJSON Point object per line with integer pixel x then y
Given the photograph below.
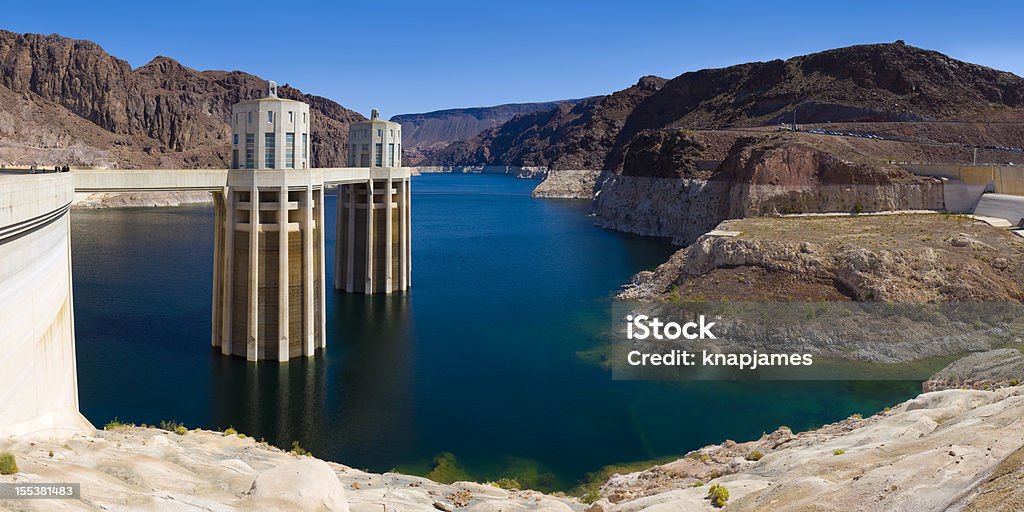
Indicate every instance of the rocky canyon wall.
{"type": "Point", "coordinates": [764, 176]}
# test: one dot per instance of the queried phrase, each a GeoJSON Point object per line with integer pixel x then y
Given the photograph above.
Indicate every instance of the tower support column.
{"type": "Point", "coordinates": [269, 290]}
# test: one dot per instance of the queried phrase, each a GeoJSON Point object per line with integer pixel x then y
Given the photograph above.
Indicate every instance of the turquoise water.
{"type": "Point", "coordinates": [484, 358]}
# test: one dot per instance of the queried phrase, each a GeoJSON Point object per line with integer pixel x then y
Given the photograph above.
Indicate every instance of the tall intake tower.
{"type": "Point", "coordinates": [268, 288]}
{"type": "Point", "coordinates": [372, 252]}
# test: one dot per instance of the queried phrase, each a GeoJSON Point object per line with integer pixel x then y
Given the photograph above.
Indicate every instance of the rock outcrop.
{"type": "Point", "coordinates": [984, 370]}
{"type": "Point", "coordinates": [948, 450]}
{"type": "Point", "coordinates": [912, 258]}
{"type": "Point", "coordinates": [570, 184]}
{"type": "Point", "coordinates": [667, 193]}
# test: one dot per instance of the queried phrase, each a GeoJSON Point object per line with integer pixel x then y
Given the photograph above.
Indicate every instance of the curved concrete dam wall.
{"type": "Point", "coordinates": [38, 379]}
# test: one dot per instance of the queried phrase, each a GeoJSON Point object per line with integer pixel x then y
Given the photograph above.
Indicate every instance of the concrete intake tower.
{"type": "Point", "coordinates": [269, 288]}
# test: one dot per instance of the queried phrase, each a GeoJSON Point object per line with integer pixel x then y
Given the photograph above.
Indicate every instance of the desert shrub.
{"type": "Point", "coordinates": [507, 483]}
{"type": "Point", "coordinates": [114, 424]}
{"type": "Point", "coordinates": [718, 495]}
{"type": "Point", "coordinates": [181, 430]}
{"type": "Point", "coordinates": [754, 456]}
{"type": "Point", "coordinates": [591, 496]}
{"type": "Point", "coordinates": [8, 466]}
{"type": "Point", "coordinates": [170, 425]}
{"type": "Point", "coordinates": [298, 450]}
{"type": "Point", "coordinates": [838, 451]}
{"type": "Point", "coordinates": [231, 431]}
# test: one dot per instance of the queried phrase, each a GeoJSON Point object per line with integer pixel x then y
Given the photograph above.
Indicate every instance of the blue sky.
{"type": "Point", "coordinates": [405, 56]}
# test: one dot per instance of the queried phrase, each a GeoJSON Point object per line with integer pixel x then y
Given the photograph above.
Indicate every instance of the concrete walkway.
{"type": "Point", "coordinates": [1002, 206]}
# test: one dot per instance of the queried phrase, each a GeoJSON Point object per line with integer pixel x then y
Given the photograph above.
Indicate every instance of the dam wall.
{"type": "Point", "coordinates": [38, 377]}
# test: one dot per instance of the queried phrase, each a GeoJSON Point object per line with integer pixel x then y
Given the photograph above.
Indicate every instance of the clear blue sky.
{"type": "Point", "coordinates": [432, 55]}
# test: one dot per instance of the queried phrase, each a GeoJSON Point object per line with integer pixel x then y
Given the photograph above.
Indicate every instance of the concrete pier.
{"type": "Point", "coordinates": [373, 247]}
{"type": "Point", "coordinates": [268, 286]}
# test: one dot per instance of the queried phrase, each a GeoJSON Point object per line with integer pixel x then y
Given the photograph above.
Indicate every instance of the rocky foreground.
{"type": "Point", "coordinates": [956, 449]}
{"type": "Point", "coordinates": [135, 468]}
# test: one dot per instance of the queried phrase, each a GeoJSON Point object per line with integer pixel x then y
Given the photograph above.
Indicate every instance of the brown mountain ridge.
{"type": "Point", "coordinates": [874, 83]}
{"type": "Point", "coordinates": [67, 101]}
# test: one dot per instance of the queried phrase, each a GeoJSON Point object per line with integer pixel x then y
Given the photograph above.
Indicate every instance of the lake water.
{"type": "Point", "coordinates": [485, 357]}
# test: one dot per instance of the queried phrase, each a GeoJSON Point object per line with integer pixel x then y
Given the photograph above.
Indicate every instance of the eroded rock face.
{"type": "Point", "coordinates": [787, 175]}
{"type": "Point", "coordinates": [665, 154]}
{"type": "Point", "coordinates": [570, 184]}
{"type": "Point", "coordinates": [161, 107]}
{"type": "Point", "coordinates": [679, 209]}
{"type": "Point", "coordinates": [984, 370]}
{"type": "Point", "coordinates": [864, 265]}
{"type": "Point", "coordinates": [761, 176]}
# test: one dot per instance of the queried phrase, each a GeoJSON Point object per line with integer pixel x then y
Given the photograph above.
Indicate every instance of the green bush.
{"type": "Point", "coordinates": [114, 424]}
{"type": "Point", "coordinates": [698, 483]}
{"type": "Point", "coordinates": [181, 430]}
{"type": "Point", "coordinates": [838, 451]}
{"type": "Point", "coordinates": [298, 450]}
{"type": "Point", "coordinates": [508, 484]}
{"type": "Point", "coordinates": [8, 466]}
{"type": "Point", "coordinates": [754, 456]}
{"type": "Point", "coordinates": [718, 495]}
{"type": "Point", "coordinates": [170, 426]}
{"type": "Point", "coordinates": [590, 496]}
{"type": "Point", "coordinates": [231, 431]}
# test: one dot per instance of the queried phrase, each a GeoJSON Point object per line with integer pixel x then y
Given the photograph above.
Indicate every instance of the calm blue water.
{"type": "Point", "coordinates": [484, 358]}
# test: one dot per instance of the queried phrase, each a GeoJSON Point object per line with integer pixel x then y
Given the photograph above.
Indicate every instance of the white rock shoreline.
{"type": "Point", "coordinates": [955, 449]}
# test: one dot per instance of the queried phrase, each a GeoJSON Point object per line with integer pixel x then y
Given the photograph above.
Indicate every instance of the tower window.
{"type": "Point", "coordinates": [248, 117]}
{"type": "Point", "coordinates": [289, 150]}
{"type": "Point", "coordinates": [291, 117]}
{"type": "Point", "coordinates": [250, 151]}
{"type": "Point", "coordinates": [236, 139]}
{"type": "Point", "coordinates": [391, 157]}
{"type": "Point", "coordinates": [270, 117]}
{"type": "Point", "coordinates": [305, 147]}
{"type": "Point", "coordinates": [268, 154]}
{"type": "Point", "coordinates": [378, 155]}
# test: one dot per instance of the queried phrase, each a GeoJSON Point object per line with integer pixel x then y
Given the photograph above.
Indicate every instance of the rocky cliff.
{"type": "Point", "coordinates": [423, 134]}
{"type": "Point", "coordinates": [666, 192]}
{"type": "Point", "coordinates": [568, 137]}
{"type": "Point", "coordinates": [105, 112]}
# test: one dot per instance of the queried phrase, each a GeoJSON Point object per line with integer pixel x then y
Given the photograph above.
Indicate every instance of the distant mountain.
{"type": "Point", "coordinates": [67, 101]}
{"type": "Point", "coordinates": [866, 83]}
{"type": "Point", "coordinates": [428, 132]}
